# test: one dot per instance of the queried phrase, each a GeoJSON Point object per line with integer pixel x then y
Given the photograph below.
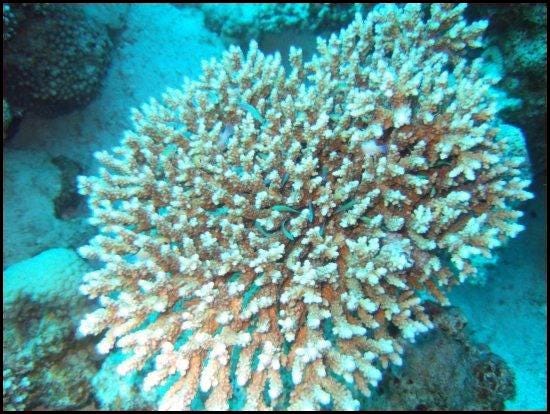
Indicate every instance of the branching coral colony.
{"type": "Point", "coordinates": [271, 233]}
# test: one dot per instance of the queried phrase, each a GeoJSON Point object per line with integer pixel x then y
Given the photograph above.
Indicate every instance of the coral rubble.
{"type": "Point", "coordinates": [43, 363]}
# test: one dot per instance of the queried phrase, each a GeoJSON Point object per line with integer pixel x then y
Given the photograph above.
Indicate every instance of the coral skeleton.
{"type": "Point", "coordinates": [272, 231]}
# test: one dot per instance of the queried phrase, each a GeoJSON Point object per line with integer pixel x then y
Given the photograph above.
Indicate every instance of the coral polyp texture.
{"type": "Point", "coordinates": [55, 58]}
{"type": "Point", "coordinates": [267, 234]}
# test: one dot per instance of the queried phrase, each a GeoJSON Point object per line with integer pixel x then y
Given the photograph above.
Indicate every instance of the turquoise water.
{"type": "Point", "coordinates": [139, 52]}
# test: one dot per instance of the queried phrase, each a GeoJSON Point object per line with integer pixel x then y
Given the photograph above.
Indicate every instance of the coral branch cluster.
{"type": "Point", "coordinates": [270, 231]}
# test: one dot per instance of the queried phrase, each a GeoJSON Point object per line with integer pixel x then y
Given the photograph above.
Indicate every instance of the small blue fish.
{"type": "Point", "coordinates": [324, 173]}
{"type": "Point", "coordinates": [284, 209]}
{"type": "Point", "coordinates": [346, 206]}
{"type": "Point", "coordinates": [234, 276]}
{"type": "Point", "coordinates": [261, 229]}
{"type": "Point", "coordinates": [169, 150]}
{"type": "Point", "coordinates": [284, 180]}
{"type": "Point", "coordinates": [286, 233]}
{"type": "Point", "coordinates": [310, 214]}
{"type": "Point", "coordinates": [225, 136]}
{"type": "Point", "coordinates": [253, 111]}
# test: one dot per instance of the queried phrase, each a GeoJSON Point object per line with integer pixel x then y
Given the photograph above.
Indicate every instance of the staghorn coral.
{"type": "Point", "coordinates": [271, 234]}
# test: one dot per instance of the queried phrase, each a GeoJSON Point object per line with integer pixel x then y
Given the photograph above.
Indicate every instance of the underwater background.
{"type": "Point", "coordinates": [71, 76]}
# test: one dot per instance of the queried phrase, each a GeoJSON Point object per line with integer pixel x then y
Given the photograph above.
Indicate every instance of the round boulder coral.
{"type": "Point", "coordinates": [55, 60]}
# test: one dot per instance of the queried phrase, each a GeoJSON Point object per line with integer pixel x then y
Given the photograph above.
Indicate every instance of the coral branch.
{"type": "Point", "coordinates": [290, 222]}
